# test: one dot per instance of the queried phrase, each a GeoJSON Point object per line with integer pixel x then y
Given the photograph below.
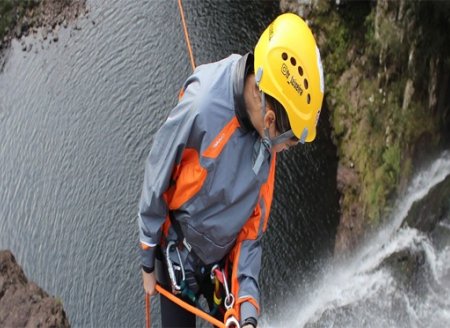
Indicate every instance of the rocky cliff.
{"type": "Point", "coordinates": [20, 18]}
{"type": "Point", "coordinates": [387, 67]}
{"type": "Point", "coordinates": [22, 302]}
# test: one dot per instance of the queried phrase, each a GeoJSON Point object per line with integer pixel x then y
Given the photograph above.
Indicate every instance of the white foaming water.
{"type": "Point", "coordinates": [420, 187]}
{"type": "Point", "coordinates": [363, 292]}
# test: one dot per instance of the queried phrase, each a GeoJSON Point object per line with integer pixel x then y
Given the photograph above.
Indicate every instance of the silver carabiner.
{"type": "Point", "coordinates": [229, 299]}
{"type": "Point", "coordinates": [176, 288]}
{"type": "Point", "coordinates": [213, 274]}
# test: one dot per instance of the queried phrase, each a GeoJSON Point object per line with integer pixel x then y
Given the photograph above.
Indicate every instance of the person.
{"type": "Point", "coordinates": [209, 176]}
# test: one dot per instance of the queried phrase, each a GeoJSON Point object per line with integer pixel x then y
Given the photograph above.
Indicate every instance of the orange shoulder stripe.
{"type": "Point", "coordinates": [216, 146]}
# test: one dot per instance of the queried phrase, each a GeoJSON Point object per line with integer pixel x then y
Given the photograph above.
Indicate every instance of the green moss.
{"type": "Point", "coordinates": [12, 12]}
{"type": "Point", "coordinates": [371, 45]}
{"type": "Point", "coordinates": [376, 136]}
{"type": "Point", "coordinates": [338, 43]}
{"type": "Point", "coordinates": [375, 197]}
{"type": "Point", "coordinates": [6, 16]}
{"type": "Point", "coordinates": [368, 62]}
{"type": "Point", "coordinates": [391, 163]}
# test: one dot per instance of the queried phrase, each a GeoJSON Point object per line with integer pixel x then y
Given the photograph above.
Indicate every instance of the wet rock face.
{"type": "Point", "coordinates": [22, 302]}
{"type": "Point", "coordinates": [425, 214]}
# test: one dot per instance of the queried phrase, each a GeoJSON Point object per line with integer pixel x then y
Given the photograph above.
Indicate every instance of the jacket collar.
{"type": "Point", "coordinates": [244, 66]}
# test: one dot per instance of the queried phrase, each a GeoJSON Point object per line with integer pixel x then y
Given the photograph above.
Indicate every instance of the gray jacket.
{"type": "Point", "coordinates": [200, 168]}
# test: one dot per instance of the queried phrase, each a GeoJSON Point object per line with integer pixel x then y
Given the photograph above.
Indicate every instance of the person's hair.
{"type": "Point", "coordinates": [282, 121]}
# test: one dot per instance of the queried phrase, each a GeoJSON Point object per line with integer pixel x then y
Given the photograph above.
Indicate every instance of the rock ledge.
{"type": "Point", "coordinates": [22, 302]}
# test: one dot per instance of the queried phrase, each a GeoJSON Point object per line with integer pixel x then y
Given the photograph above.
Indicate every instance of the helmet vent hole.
{"type": "Point", "coordinates": [308, 98]}
{"type": "Point", "coordinates": [305, 81]}
{"type": "Point", "coordinates": [293, 61]}
{"type": "Point", "coordinates": [300, 71]}
{"type": "Point", "coordinates": [284, 56]}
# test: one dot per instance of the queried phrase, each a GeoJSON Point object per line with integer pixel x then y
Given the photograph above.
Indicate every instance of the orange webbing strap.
{"type": "Point", "coordinates": [189, 307]}
{"type": "Point", "coordinates": [186, 35]}
{"type": "Point", "coordinates": [230, 318]}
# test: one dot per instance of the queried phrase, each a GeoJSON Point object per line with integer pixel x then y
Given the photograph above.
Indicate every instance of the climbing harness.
{"type": "Point", "coordinates": [184, 283]}
{"type": "Point", "coordinates": [218, 277]}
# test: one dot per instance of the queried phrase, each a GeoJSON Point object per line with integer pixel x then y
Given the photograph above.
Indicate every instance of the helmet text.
{"type": "Point", "coordinates": [295, 85]}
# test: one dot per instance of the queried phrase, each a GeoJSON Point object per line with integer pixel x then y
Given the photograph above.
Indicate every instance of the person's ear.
{"type": "Point", "coordinates": [269, 118]}
{"type": "Point", "coordinates": [255, 92]}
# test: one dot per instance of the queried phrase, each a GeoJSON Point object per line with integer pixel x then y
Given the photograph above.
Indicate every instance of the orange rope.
{"type": "Point", "coordinates": [182, 304]}
{"type": "Point", "coordinates": [147, 311]}
{"type": "Point", "coordinates": [186, 35]}
{"type": "Point", "coordinates": [190, 308]}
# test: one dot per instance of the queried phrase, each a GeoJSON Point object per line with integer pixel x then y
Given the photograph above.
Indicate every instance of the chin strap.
{"type": "Point", "coordinates": [264, 151]}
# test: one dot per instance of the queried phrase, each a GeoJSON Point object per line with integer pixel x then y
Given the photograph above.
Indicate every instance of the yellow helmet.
{"type": "Point", "coordinates": [288, 68]}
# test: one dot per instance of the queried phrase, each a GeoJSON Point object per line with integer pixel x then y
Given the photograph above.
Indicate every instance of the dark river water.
{"type": "Point", "coordinates": [77, 118]}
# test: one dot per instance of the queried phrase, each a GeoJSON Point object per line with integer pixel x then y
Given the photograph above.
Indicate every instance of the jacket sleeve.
{"type": "Point", "coordinates": [168, 145]}
{"type": "Point", "coordinates": [246, 255]}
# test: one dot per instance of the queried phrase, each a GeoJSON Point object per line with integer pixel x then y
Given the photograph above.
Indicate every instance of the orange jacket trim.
{"type": "Point", "coordinates": [188, 176]}
{"type": "Point", "coordinates": [216, 146]}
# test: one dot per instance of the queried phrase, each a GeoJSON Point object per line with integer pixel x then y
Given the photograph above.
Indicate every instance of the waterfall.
{"type": "Point", "coordinates": [366, 290]}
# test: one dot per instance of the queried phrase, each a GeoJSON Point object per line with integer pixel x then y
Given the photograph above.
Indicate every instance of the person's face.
{"type": "Point", "coordinates": [279, 125]}
{"type": "Point", "coordinates": [273, 132]}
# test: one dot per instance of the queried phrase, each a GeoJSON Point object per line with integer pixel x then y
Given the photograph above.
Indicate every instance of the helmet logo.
{"type": "Point", "coordinates": [295, 85]}
{"type": "Point", "coordinates": [285, 70]}
{"type": "Point", "coordinates": [292, 81]}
